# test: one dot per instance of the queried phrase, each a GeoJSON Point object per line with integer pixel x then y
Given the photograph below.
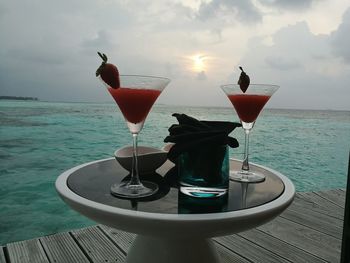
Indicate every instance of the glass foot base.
{"type": "Point", "coordinates": [246, 177]}
{"type": "Point", "coordinates": [202, 192]}
{"type": "Point", "coordinates": [124, 190]}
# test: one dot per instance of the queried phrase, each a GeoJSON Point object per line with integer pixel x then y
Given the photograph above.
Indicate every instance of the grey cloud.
{"type": "Point", "coordinates": [181, 10]}
{"type": "Point", "coordinates": [201, 76]}
{"type": "Point", "coordinates": [101, 38]}
{"type": "Point", "coordinates": [340, 39]}
{"type": "Point", "coordinates": [37, 55]}
{"type": "Point", "coordinates": [2, 10]}
{"type": "Point", "coordinates": [217, 34]}
{"type": "Point", "coordinates": [102, 41]}
{"type": "Point", "coordinates": [244, 11]}
{"type": "Point", "coordinates": [319, 57]}
{"type": "Point", "coordinates": [281, 63]}
{"type": "Point", "coordinates": [289, 4]}
{"type": "Point", "coordinates": [292, 46]}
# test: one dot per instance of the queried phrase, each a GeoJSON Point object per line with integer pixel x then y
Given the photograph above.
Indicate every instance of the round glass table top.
{"type": "Point", "coordinates": [93, 182]}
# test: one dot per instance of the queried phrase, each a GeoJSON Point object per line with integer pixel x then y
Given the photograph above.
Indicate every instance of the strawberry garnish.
{"type": "Point", "coordinates": [243, 81]}
{"type": "Point", "coordinates": [108, 72]}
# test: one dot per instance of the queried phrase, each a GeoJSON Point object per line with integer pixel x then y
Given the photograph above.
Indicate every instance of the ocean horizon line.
{"type": "Point", "coordinates": [38, 100]}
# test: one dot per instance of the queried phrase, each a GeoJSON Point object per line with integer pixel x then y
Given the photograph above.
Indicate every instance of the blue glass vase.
{"type": "Point", "coordinates": [204, 171]}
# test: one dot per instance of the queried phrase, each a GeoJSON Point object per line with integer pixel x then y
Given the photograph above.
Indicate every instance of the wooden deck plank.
{"type": "Point", "coordinates": [249, 250]}
{"type": "Point", "coordinates": [2, 255]}
{"type": "Point", "coordinates": [302, 206]}
{"type": "Point", "coordinates": [315, 220]}
{"type": "Point", "coordinates": [322, 202]}
{"type": "Point", "coordinates": [306, 203]}
{"type": "Point", "coordinates": [228, 256]}
{"type": "Point", "coordinates": [279, 247]}
{"type": "Point", "coordinates": [97, 245]}
{"type": "Point", "coordinates": [62, 248]}
{"type": "Point", "coordinates": [120, 238]}
{"type": "Point", "coordinates": [335, 196]}
{"type": "Point", "coordinates": [26, 251]}
{"type": "Point", "coordinates": [310, 240]}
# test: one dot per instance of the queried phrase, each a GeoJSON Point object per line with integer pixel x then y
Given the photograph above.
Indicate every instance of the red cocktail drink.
{"type": "Point", "coordinates": [134, 103]}
{"type": "Point", "coordinates": [248, 106]}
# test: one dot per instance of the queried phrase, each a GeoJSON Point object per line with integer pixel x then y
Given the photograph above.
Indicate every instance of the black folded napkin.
{"type": "Point", "coordinates": [191, 134]}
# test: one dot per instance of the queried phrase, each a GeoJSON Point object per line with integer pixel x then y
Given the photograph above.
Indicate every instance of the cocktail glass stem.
{"type": "Point", "coordinates": [245, 175]}
{"type": "Point", "coordinates": [247, 127]}
{"type": "Point", "coordinates": [245, 165]}
{"type": "Point", "coordinates": [135, 179]}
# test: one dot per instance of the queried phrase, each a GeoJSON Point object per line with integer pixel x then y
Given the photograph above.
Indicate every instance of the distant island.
{"type": "Point", "coordinates": [17, 98]}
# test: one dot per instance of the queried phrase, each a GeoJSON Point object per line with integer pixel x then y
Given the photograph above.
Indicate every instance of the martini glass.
{"type": "Point", "coordinates": [135, 98]}
{"type": "Point", "coordinates": [248, 106]}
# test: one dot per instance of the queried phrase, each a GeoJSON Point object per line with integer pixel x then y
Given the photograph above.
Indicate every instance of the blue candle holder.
{"type": "Point", "coordinates": [204, 171]}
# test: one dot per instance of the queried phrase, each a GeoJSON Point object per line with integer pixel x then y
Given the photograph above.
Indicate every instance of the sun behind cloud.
{"type": "Point", "coordinates": [199, 62]}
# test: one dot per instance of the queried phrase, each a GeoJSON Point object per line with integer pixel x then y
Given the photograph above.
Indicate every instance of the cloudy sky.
{"type": "Point", "coordinates": [48, 48]}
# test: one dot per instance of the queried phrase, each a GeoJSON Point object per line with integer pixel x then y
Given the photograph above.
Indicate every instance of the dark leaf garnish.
{"type": "Point", "coordinates": [243, 81]}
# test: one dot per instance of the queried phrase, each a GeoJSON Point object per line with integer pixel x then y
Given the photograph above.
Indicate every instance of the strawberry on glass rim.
{"type": "Point", "coordinates": [108, 72]}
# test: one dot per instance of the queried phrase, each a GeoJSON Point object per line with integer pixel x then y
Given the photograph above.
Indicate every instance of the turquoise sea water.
{"type": "Point", "coordinates": [40, 140]}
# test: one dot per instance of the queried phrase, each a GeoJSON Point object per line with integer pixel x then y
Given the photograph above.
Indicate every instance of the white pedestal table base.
{"type": "Point", "coordinates": [160, 250]}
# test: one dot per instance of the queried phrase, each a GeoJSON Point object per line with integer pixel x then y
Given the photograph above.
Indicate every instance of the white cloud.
{"type": "Point", "coordinates": [281, 63]}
